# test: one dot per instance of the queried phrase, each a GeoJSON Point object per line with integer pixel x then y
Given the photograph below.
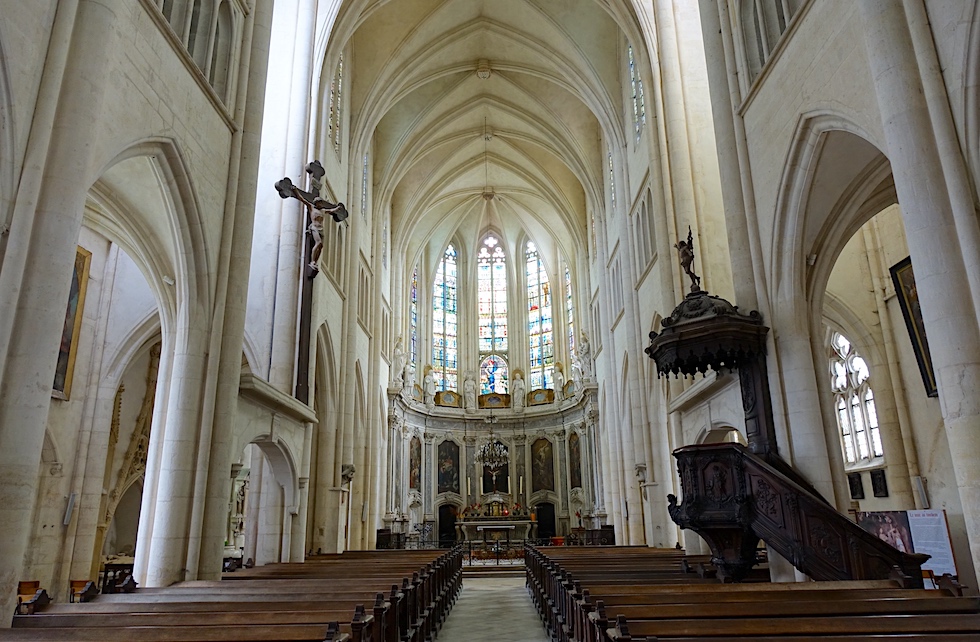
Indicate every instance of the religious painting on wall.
{"type": "Point", "coordinates": [542, 465]}
{"type": "Point", "coordinates": [908, 298]}
{"type": "Point", "coordinates": [65, 369]}
{"type": "Point", "coordinates": [448, 467]}
{"type": "Point", "coordinates": [575, 460]}
{"type": "Point", "coordinates": [415, 464]}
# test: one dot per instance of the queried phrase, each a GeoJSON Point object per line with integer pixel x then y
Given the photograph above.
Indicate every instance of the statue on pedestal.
{"type": "Point", "coordinates": [559, 382]}
{"type": "Point", "coordinates": [398, 361]}
{"type": "Point", "coordinates": [517, 392]}
{"type": "Point", "coordinates": [583, 359]}
{"type": "Point", "coordinates": [429, 388]}
{"type": "Point", "coordinates": [469, 394]}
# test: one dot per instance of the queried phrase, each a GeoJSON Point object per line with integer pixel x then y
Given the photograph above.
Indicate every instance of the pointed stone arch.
{"type": "Point", "coordinates": [7, 172]}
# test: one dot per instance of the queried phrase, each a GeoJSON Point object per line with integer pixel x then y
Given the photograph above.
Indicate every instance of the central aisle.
{"type": "Point", "coordinates": [490, 609]}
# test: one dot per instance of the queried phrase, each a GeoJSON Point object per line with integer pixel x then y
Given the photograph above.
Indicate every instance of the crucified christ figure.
{"type": "Point", "coordinates": [316, 206]}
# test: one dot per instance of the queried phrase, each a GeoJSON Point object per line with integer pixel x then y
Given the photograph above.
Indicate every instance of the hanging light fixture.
{"type": "Point", "coordinates": [493, 456]}
{"type": "Point", "coordinates": [488, 193]}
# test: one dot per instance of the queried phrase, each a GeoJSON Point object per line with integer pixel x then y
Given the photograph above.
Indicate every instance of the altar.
{"type": "Point", "coordinates": [496, 521]}
{"type": "Point", "coordinates": [503, 530]}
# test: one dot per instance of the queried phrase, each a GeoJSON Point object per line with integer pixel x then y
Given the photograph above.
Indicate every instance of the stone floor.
{"type": "Point", "coordinates": [493, 609]}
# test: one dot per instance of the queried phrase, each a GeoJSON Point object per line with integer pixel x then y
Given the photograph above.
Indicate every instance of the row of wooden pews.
{"type": "Point", "coordinates": [649, 595]}
{"type": "Point", "coordinates": [364, 596]}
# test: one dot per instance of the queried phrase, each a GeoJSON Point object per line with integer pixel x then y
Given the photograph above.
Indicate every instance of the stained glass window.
{"type": "Point", "coordinates": [569, 311]}
{"type": "Point", "coordinates": [636, 88]}
{"type": "Point", "coordinates": [857, 417]}
{"type": "Point", "coordinates": [364, 183]}
{"type": "Point", "coordinates": [612, 184]}
{"type": "Point", "coordinates": [540, 321]}
{"type": "Point", "coordinates": [384, 246]}
{"type": "Point", "coordinates": [336, 102]}
{"type": "Point", "coordinates": [444, 322]}
{"type": "Point", "coordinates": [492, 303]}
{"type": "Point", "coordinates": [413, 317]}
{"type": "Point", "coordinates": [493, 375]}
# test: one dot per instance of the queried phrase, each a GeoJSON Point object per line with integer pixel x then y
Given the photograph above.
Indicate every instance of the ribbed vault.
{"type": "Point", "coordinates": [454, 98]}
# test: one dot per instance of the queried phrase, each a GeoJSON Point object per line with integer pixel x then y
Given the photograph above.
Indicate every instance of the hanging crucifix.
{"type": "Point", "coordinates": [316, 210]}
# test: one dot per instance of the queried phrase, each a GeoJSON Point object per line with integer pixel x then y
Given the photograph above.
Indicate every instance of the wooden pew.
{"type": "Point", "coordinates": [638, 599]}
{"type": "Point", "coordinates": [319, 601]}
{"type": "Point", "coordinates": [941, 627]}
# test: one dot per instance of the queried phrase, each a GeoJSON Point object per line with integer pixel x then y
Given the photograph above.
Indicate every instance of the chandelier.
{"type": "Point", "coordinates": [493, 456]}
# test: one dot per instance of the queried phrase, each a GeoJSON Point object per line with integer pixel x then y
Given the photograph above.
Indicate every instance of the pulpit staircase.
{"type": "Point", "coordinates": [733, 498]}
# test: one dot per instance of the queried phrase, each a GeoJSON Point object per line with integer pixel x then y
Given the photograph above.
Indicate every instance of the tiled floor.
{"type": "Point", "coordinates": [493, 609]}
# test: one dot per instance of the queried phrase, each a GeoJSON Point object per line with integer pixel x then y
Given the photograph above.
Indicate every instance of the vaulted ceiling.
{"type": "Point", "coordinates": [458, 98]}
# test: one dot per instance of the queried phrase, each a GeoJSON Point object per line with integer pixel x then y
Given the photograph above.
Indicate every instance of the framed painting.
{"type": "Point", "coordinates": [908, 298]}
{"type": "Point", "coordinates": [542, 465]}
{"type": "Point", "coordinates": [575, 460]}
{"type": "Point", "coordinates": [65, 369]}
{"type": "Point", "coordinates": [415, 464]}
{"type": "Point", "coordinates": [448, 467]}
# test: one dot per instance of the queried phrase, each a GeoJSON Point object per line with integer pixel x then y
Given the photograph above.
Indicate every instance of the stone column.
{"type": "Point", "coordinates": [39, 259]}
{"type": "Point", "coordinates": [167, 560]}
{"type": "Point", "coordinates": [206, 549]}
{"type": "Point", "coordinates": [285, 141]}
{"type": "Point", "coordinates": [931, 230]}
{"type": "Point", "coordinates": [429, 468]}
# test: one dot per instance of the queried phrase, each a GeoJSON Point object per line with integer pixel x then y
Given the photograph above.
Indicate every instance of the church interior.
{"type": "Point", "coordinates": [282, 279]}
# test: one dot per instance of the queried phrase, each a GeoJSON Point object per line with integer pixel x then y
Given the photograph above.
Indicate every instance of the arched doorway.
{"type": "Point", "coordinates": [447, 525]}
{"type": "Point", "coordinates": [547, 527]}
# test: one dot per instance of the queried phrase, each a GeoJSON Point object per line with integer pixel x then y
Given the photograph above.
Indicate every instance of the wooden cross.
{"type": "Point", "coordinates": [316, 208]}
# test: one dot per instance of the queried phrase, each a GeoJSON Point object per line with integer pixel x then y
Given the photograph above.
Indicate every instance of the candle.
{"type": "Point", "coordinates": [467, 486]}
{"type": "Point", "coordinates": [522, 485]}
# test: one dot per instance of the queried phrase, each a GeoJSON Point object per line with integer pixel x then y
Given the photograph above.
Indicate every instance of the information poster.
{"type": "Point", "coordinates": [915, 531]}
{"type": "Point", "coordinates": [930, 535]}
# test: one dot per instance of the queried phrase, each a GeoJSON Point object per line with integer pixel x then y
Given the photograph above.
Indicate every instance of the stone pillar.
{"type": "Point", "coordinates": [229, 319]}
{"type": "Point", "coordinates": [429, 468]}
{"type": "Point", "coordinates": [39, 259]}
{"type": "Point", "coordinates": [285, 142]}
{"type": "Point", "coordinates": [297, 536]}
{"type": "Point", "coordinates": [807, 449]}
{"type": "Point", "coordinates": [167, 560]}
{"type": "Point", "coordinates": [325, 513]}
{"type": "Point", "coordinates": [931, 230]}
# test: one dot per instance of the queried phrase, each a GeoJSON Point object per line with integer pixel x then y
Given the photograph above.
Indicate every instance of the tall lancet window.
{"type": "Point", "coordinates": [854, 403]}
{"type": "Point", "coordinates": [540, 326]}
{"type": "Point", "coordinates": [413, 317]}
{"type": "Point", "coordinates": [444, 322]}
{"type": "Point", "coordinates": [569, 310]}
{"type": "Point", "coordinates": [636, 87]}
{"type": "Point", "coordinates": [336, 104]}
{"type": "Point", "coordinates": [492, 300]}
